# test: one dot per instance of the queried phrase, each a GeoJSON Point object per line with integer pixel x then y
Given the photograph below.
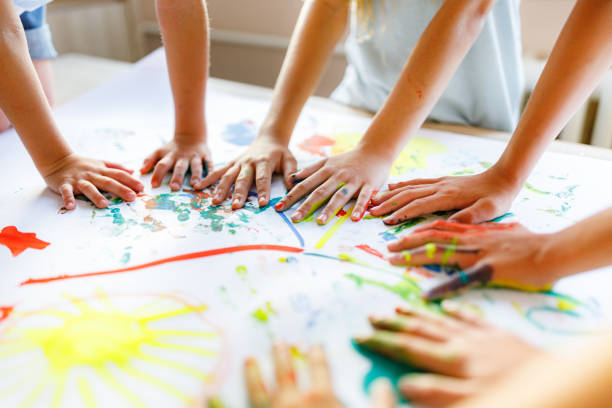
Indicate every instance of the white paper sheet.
{"type": "Point", "coordinates": [86, 324]}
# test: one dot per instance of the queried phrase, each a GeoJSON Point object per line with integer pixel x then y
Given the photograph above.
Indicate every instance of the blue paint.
{"type": "Point", "coordinates": [387, 236]}
{"type": "Point", "coordinates": [240, 133]}
{"type": "Point", "coordinates": [447, 269]}
{"type": "Point", "coordinates": [502, 217]}
{"type": "Point", "coordinates": [292, 228]}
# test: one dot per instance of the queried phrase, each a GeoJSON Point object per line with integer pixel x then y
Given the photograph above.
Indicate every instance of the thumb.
{"type": "Point", "coordinates": [289, 167]}
{"type": "Point", "coordinates": [482, 210]}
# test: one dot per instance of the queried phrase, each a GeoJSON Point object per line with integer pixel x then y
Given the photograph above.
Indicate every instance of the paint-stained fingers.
{"type": "Point", "coordinates": [317, 198]}
{"type": "Point", "coordinates": [417, 239]}
{"type": "Point", "coordinates": [363, 202]}
{"type": "Point", "coordinates": [436, 390]}
{"type": "Point", "coordinates": [162, 168]}
{"type": "Point", "coordinates": [420, 206]}
{"type": "Point", "coordinates": [320, 377]}
{"type": "Point", "coordinates": [242, 186]}
{"type": "Point", "coordinates": [482, 210]}
{"type": "Point", "coordinates": [213, 176]}
{"type": "Point", "coordinates": [112, 186]}
{"type": "Point", "coordinates": [443, 225]}
{"type": "Point", "coordinates": [263, 181]}
{"type": "Point", "coordinates": [118, 166]}
{"type": "Point", "coordinates": [283, 366]}
{"type": "Point", "coordinates": [178, 174]}
{"type": "Point", "coordinates": [225, 184]}
{"type": "Point", "coordinates": [423, 327]}
{"type": "Point", "coordinates": [382, 394]}
{"type": "Point", "coordinates": [256, 389]}
{"type": "Point", "coordinates": [307, 171]}
{"type": "Point", "coordinates": [381, 198]}
{"type": "Point", "coordinates": [408, 349]}
{"type": "Point", "coordinates": [195, 164]}
{"type": "Point", "coordinates": [67, 194]}
{"type": "Point", "coordinates": [289, 168]}
{"type": "Point", "coordinates": [413, 182]}
{"type": "Point", "coordinates": [401, 199]}
{"type": "Point", "coordinates": [336, 203]}
{"type": "Point", "coordinates": [90, 191]}
{"type": "Point", "coordinates": [464, 313]}
{"type": "Point", "coordinates": [300, 190]}
{"type": "Point", "coordinates": [479, 274]}
{"type": "Point", "coordinates": [125, 179]}
{"type": "Point", "coordinates": [149, 162]}
{"type": "Point", "coordinates": [438, 254]}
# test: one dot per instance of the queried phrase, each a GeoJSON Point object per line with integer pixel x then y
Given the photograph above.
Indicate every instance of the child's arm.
{"type": "Point", "coordinates": [319, 28]}
{"type": "Point", "coordinates": [184, 27]}
{"type": "Point", "coordinates": [434, 60]}
{"type": "Point", "coordinates": [23, 101]}
{"type": "Point", "coordinates": [507, 254]}
{"type": "Point", "coordinates": [582, 54]}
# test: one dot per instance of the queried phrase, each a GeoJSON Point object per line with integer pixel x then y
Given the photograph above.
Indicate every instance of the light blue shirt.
{"type": "Point", "coordinates": [485, 90]}
{"type": "Point", "coordinates": [29, 5]}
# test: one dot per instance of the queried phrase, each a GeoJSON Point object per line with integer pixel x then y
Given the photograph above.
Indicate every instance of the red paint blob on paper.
{"type": "Point", "coordinates": [315, 144]}
{"type": "Point", "coordinates": [5, 311]}
{"type": "Point", "coordinates": [17, 241]}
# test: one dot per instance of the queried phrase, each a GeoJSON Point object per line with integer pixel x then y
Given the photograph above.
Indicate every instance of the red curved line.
{"type": "Point", "coordinates": [178, 258]}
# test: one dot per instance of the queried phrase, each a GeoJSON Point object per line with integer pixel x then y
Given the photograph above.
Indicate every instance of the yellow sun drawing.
{"type": "Point", "coordinates": [133, 351]}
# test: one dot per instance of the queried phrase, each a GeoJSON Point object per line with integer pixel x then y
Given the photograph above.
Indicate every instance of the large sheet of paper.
{"type": "Point", "coordinates": [158, 302]}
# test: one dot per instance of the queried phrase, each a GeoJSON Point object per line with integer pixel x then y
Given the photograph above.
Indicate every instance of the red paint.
{"type": "Point", "coordinates": [18, 241]}
{"type": "Point", "coordinates": [447, 226]}
{"type": "Point", "coordinates": [419, 93]}
{"type": "Point", "coordinates": [370, 250]}
{"type": "Point", "coordinates": [341, 213]}
{"type": "Point", "coordinates": [316, 143]}
{"type": "Point", "coordinates": [5, 311]}
{"type": "Point", "coordinates": [178, 258]}
{"type": "Point", "coordinates": [367, 206]}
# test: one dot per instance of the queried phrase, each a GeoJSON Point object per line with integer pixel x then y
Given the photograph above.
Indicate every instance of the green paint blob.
{"type": "Point", "coordinates": [535, 190]}
{"type": "Point", "coordinates": [406, 225]}
{"type": "Point", "coordinates": [263, 313]}
{"type": "Point", "coordinates": [242, 272]}
{"type": "Point", "coordinates": [406, 289]}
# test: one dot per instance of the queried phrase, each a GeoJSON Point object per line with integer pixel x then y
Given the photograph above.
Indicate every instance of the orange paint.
{"type": "Point", "coordinates": [5, 311]}
{"type": "Point", "coordinates": [17, 241]}
{"type": "Point", "coordinates": [315, 144]}
{"type": "Point", "coordinates": [370, 250]}
{"type": "Point", "coordinates": [178, 258]}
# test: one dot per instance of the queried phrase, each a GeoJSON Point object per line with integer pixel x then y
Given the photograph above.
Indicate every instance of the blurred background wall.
{"type": "Point", "coordinates": [256, 31]}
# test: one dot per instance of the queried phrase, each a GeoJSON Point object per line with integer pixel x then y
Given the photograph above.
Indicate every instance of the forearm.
{"type": "Point", "coordinates": [582, 54]}
{"type": "Point", "coordinates": [184, 27]}
{"type": "Point", "coordinates": [318, 30]}
{"type": "Point", "coordinates": [22, 98]}
{"type": "Point", "coordinates": [582, 247]}
{"type": "Point", "coordinates": [434, 60]}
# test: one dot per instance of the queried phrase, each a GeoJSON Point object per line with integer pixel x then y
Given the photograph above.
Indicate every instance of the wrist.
{"type": "Point", "coordinates": [557, 257]}
{"type": "Point", "coordinates": [271, 136]}
{"type": "Point", "coordinates": [54, 163]}
{"type": "Point", "coordinates": [510, 175]}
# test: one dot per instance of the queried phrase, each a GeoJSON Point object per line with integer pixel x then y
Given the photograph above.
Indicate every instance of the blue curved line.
{"type": "Point", "coordinates": [292, 227]}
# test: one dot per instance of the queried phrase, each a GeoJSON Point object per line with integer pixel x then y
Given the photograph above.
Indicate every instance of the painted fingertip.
{"type": "Point", "coordinates": [296, 217]}
{"type": "Point", "coordinates": [322, 219]}
{"type": "Point", "coordinates": [409, 382]}
{"type": "Point", "coordinates": [262, 200]}
{"type": "Point", "coordinates": [450, 305]}
{"type": "Point", "coordinates": [280, 205]}
{"type": "Point", "coordinates": [249, 361]}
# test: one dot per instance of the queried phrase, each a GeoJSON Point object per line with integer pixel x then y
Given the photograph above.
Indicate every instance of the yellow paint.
{"type": "Point", "coordinates": [97, 334]}
{"type": "Point", "coordinates": [518, 308]}
{"type": "Point", "coordinates": [330, 232]}
{"type": "Point", "coordinates": [525, 287]}
{"type": "Point", "coordinates": [407, 256]}
{"type": "Point", "coordinates": [430, 249]}
{"type": "Point", "coordinates": [296, 353]}
{"type": "Point", "coordinates": [414, 155]}
{"type": "Point", "coordinates": [566, 304]}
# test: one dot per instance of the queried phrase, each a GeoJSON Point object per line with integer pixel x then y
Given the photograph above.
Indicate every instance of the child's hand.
{"type": "Point", "coordinates": [262, 158]}
{"type": "Point", "coordinates": [78, 175]}
{"type": "Point", "coordinates": [178, 156]}
{"type": "Point", "coordinates": [287, 393]}
{"type": "Point", "coordinates": [340, 177]}
{"type": "Point", "coordinates": [503, 254]}
{"type": "Point", "coordinates": [462, 352]}
{"type": "Point", "coordinates": [481, 197]}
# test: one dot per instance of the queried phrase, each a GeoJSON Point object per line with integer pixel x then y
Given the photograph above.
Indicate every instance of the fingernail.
{"type": "Point", "coordinates": [131, 196]}
{"type": "Point", "coordinates": [362, 339]}
{"type": "Point", "coordinates": [322, 219]}
{"type": "Point", "coordinates": [236, 202]}
{"type": "Point", "coordinates": [450, 305]}
{"type": "Point", "coordinates": [409, 381]}
{"type": "Point", "coordinates": [262, 199]}
{"type": "Point", "coordinates": [296, 216]}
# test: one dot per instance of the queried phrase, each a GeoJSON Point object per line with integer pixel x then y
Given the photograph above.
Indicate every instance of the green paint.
{"type": "Point", "coordinates": [450, 251]}
{"type": "Point", "coordinates": [394, 203]}
{"type": "Point", "coordinates": [263, 313]}
{"type": "Point", "coordinates": [405, 289]}
{"type": "Point", "coordinates": [216, 220]}
{"type": "Point", "coordinates": [406, 225]}
{"type": "Point", "coordinates": [486, 164]}
{"type": "Point", "coordinates": [242, 272]}
{"type": "Point", "coordinates": [126, 258]}
{"type": "Point", "coordinates": [348, 258]}
{"type": "Point", "coordinates": [243, 216]}
{"type": "Point", "coordinates": [535, 190]}
{"type": "Point", "coordinates": [215, 402]}
{"type": "Point", "coordinates": [463, 172]}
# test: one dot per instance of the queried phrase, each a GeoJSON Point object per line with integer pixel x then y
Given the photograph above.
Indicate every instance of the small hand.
{"type": "Point", "coordinates": [288, 394]}
{"type": "Point", "coordinates": [78, 175]}
{"type": "Point", "coordinates": [342, 177]}
{"type": "Point", "coordinates": [180, 156]}
{"type": "Point", "coordinates": [461, 351]}
{"type": "Point", "coordinates": [503, 254]}
{"type": "Point", "coordinates": [481, 197]}
{"type": "Point", "coordinates": [263, 157]}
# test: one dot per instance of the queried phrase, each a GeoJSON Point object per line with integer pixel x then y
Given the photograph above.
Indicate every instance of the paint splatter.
{"type": "Point", "coordinates": [370, 250]}
{"type": "Point", "coordinates": [405, 288]}
{"type": "Point", "coordinates": [263, 313]}
{"type": "Point", "coordinates": [5, 311]}
{"type": "Point", "coordinates": [288, 259]}
{"type": "Point", "coordinates": [392, 233]}
{"type": "Point", "coordinates": [316, 144]}
{"type": "Point", "coordinates": [17, 241]}
{"type": "Point", "coordinates": [531, 188]}
{"type": "Point", "coordinates": [334, 228]}
{"type": "Point", "coordinates": [240, 133]}
{"type": "Point", "coordinates": [106, 333]}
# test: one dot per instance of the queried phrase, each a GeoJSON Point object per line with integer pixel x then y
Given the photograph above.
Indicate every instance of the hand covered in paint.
{"type": "Point", "coordinates": [498, 253]}
{"type": "Point", "coordinates": [287, 394]}
{"type": "Point", "coordinates": [481, 197]}
{"type": "Point", "coordinates": [462, 353]}
{"type": "Point", "coordinates": [357, 173]}
{"type": "Point", "coordinates": [178, 156]}
{"type": "Point", "coordinates": [262, 158]}
{"type": "Point", "coordinates": [78, 175]}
